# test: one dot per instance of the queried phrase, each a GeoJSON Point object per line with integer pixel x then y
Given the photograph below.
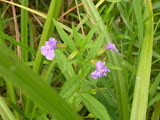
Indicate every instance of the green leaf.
{"type": "Point", "coordinates": [95, 107]}
{"type": "Point", "coordinates": [90, 34]}
{"type": "Point", "coordinates": [124, 16]}
{"type": "Point", "coordinates": [97, 45]}
{"type": "Point", "coordinates": [128, 66]}
{"type": "Point", "coordinates": [108, 102]}
{"type": "Point", "coordinates": [69, 87]}
{"type": "Point", "coordinates": [61, 59]}
{"type": "Point", "coordinates": [4, 36]}
{"type": "Point", "coordinates": [138, 13]}
{"type": "Point", "coordinates": [154, 86]}
{"type": "Point", "coordinates": [65, 37]}
{"type": "Point", "coordinates": [76, 35]}
{"type": "Point", "coordinates": [109, 65]}
{"type": "Point", "coordinates": [153, 100]}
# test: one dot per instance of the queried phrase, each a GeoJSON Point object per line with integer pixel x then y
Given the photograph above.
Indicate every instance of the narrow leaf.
{"type": "Point", "coordinates": [140, 99]}
{"type": "Point", "coordinates": [95, 107]}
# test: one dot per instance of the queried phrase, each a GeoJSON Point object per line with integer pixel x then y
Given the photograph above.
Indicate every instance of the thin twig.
{"type": "Point", "coordinates": [16, 30]}
{"type": "Point", "coordinates": [5, 10]}
{"type": "Point", "coordinates": [69, 11]}
{"type": "Point", "coordinates": [37, 19]}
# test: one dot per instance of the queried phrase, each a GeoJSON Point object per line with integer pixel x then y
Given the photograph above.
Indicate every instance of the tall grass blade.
{"type": "Point", "coordinates": [140, 99]}
{"type": "Point", "coordinates": [5, 36]}
{"type": "Point", "coordinates": [24, 30]}
{"type": "Point", "coordinates": [33, 86]}
{"type": "Point", "coordinates": [138, 13]}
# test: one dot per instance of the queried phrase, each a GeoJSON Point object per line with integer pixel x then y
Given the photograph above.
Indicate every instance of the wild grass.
{"type": "Point", "coordinates": [34, 88]}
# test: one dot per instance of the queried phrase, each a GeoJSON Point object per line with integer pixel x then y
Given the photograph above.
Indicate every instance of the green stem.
{"type": "Point", "coordinates": [49, 71]}
{"type": "Point", "coordinates": [47, 31]}
{"type": "Point", "coordinates": [24, 41]}
{"type": "Point", "coordinates": [24, 30]}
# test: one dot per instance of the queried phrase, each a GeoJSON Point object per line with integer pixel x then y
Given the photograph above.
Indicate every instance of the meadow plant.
{"type": "Point", "coordinates": [79, 59]}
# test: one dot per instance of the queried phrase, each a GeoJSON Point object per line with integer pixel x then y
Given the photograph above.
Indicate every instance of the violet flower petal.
{"type": "Point", "coordinates": [106, 69]}
{"type": "Point", "coordinates": [48, 49]}
{"type": "Point", "coordinates": [43, 50]}
{"type": "Point", "coordinates": [50, 55]}
{"type": "Point", "coordinates": [94, 74]}
{"type": "Point", "coordinates": [52, 42]}
{"type": "Point", "coordinates": [112, 46]}
{"type": "Point", "coordinates": [100, 71]}
{"type": "Point", "coordinates": [100, 64]}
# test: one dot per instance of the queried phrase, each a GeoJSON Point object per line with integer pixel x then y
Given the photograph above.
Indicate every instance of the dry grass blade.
{"type": "Point", "coordinates": [16, 30]}
{"type": "Point", "coordinates": [79, 17]}
{"type": "Point", "coordinates": [44, 15]}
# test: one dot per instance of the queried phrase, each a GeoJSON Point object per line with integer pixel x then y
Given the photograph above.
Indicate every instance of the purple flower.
{"type": "Point", "coordinates": [48, 49]}
{"type": "Point", "coordinates": [100, 70]}
{"type": "Point", "coordinates": [112, 46]}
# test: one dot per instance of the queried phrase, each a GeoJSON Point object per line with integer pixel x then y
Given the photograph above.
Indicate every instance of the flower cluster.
{"type": "Point", "coordinates": [48, 49]}
{"type": "Point", "coordinates": [100, 70]}
{"type": "Point", "coordinates": [112, 46]}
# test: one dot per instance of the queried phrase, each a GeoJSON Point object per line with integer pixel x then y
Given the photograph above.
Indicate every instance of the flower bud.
{"type": "Point", "coordinates": [73, 55]}
{"type": "Point", "coordinates": [93, 91]}
{"type": "Point", "coordinates": [93, 61]}
{"type": "Point", "coordinates": [101, 51]}
{"type": "Point", "coordinates": [63, 46]}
